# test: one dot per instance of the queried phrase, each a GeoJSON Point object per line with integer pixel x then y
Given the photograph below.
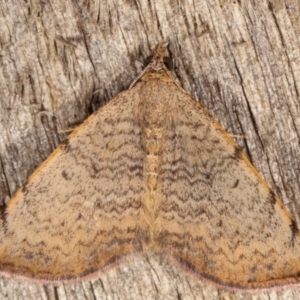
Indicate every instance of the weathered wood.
{"type": "Point", "coordinates": [240, 59]}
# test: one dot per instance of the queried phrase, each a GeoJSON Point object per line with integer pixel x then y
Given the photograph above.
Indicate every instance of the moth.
{"type": "Point", "coordinates": [151, 171]}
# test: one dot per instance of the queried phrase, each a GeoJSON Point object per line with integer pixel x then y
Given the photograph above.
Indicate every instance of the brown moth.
{"type": "Point", "coordinates": [150, 171]}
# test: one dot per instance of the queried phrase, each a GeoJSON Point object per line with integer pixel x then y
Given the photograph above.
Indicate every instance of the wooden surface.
{"type": "Point", "coordinates": [61, 59]}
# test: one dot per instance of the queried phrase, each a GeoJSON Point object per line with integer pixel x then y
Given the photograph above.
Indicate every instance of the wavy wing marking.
{"type": "Point", "coordinates": [78, 212]}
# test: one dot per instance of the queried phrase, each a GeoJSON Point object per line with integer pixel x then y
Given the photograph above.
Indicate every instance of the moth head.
{"type": "Point", "coordinates": [159, 60]}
